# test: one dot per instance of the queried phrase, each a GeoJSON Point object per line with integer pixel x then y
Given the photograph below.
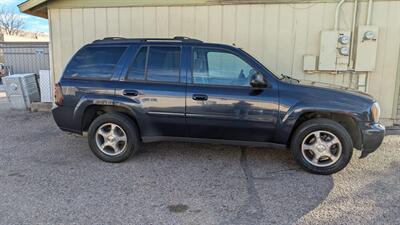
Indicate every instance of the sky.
{"type": "Point", "coordinates": [32, 23]}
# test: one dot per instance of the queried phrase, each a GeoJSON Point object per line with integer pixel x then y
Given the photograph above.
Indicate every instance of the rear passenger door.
{"type": "Point", "coordinates": [153, 87]}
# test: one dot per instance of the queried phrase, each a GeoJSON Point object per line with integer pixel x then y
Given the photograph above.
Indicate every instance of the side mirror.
{"type": "Point", "coordinates": [258, 81]}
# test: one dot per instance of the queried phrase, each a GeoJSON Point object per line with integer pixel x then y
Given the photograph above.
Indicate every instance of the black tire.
{"type": "Point", "coordinates": [128, 126]}
{"type": "Point", "coordinates": [326, 125]}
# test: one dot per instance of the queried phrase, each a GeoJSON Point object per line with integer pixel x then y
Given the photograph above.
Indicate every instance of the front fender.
{"type": "Point", "coordinates": [289, 118]}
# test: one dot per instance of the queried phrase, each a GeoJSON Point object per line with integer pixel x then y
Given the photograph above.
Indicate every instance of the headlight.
{"type": "Point", "coordinates": [375, 112]}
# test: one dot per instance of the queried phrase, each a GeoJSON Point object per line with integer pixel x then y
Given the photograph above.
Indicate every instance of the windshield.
{"type": "Point", "coordinates": [259, 63]}
{"type": "Point", "coordinates": [280, 77]}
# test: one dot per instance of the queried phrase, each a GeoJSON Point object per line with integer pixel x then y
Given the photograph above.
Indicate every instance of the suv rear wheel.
{"type": "Point", "coordinates": [322, 146]}
{"type": "Point", "coordinates": [113, 137]}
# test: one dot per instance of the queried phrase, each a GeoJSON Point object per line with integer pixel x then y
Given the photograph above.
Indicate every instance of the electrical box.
{"type": "Point", "coordinates": [366, 46]}
{"type": "Point", "coordinates": [343, 51]}
{"type": "Point", "coordinates": [334, 50]}
{"type": "Point", "coordinates": [327, 51]}
{"type": "Point", "coordinates": [309, 62]}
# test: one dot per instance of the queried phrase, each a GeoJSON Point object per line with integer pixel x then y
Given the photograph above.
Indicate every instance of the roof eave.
{"type": "Point", "coordinates": [34, 7]}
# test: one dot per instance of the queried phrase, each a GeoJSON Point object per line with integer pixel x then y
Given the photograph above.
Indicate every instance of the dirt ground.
{"type": "Point", "coordinates": [50, 177]}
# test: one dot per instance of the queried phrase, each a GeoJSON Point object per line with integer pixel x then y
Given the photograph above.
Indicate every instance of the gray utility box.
{"type": "Point", "coordinates": [22, 90]}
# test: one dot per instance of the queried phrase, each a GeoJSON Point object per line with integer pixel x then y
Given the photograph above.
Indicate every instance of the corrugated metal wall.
{"type": "Point", "coordinates": [26, 57]}
{"type": "Point", "coordinates": [277, 34]}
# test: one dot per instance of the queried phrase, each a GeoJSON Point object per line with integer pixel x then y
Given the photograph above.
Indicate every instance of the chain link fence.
{"type": "Point", "coordinates": [25, 57]}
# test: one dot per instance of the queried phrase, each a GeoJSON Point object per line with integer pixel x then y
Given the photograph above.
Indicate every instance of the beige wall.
{"type": "Point", "coordinates": [277, 34]}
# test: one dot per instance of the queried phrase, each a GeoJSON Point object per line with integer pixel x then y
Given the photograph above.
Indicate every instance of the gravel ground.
{"type": "Point", "coordinates": [50, 177]}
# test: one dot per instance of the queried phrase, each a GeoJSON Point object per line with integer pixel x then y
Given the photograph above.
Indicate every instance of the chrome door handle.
{"type": "Point", "coordinates": [199, 97]}
{"type": "Point", "coordinates": [130, 92]}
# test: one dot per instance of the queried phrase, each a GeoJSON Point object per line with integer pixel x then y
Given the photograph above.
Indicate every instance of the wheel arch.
{"type": "Point", "coordinates": [347, 121]}
{"type": "Point", "coordinates": [92, 111]}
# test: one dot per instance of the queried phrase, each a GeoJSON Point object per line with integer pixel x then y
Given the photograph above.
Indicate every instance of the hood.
{"type": "Point", "coordinates": [339, 88]}
{"type": "Point", "coordinates": [333, 87]}
{"type": "Point", "coordinates": [295, 96]}
{"type": "Point", "coordinates": [334, 97]}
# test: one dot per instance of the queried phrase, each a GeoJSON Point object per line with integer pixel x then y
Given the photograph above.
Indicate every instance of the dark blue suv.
{"type": "Point", "coordinates": [124, 92]}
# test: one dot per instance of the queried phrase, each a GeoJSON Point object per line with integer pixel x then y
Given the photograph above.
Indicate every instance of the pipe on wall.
{"type": "Point", "coordinates": [353, 32]}
{"type": "Point", "coordinates": [338, 7]}
{"type": "Point", "coordinates": [369, 15]}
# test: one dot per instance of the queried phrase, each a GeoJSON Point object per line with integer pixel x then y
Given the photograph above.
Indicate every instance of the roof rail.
{"type": "Point", "coordinates": [113, 38]}
{"type": "Point", "coordinates": [188, 39]}
{"type": "Point", "coordinates": [177, 38]}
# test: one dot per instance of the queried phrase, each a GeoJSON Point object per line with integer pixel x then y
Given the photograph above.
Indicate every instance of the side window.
{"type": "Point", "coordinates": [217, 67]}
{"type": "Point", "coordinates": [164, 64]}
{"type": "Point", "coordinates": [94, 62]}
{"type": "Point", "coordinates": [137, 69]}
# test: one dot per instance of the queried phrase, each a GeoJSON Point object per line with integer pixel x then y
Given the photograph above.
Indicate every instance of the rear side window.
{"type": "Point", "coordinates": [94, 62]}
{"type": "Point", "coordinates": [163, 64]}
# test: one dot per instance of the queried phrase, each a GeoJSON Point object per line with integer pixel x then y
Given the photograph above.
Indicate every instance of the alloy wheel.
{"type": "Point", "coordinates": [321, 148]}
{"type": "Point", "coordinates": [111, 139]}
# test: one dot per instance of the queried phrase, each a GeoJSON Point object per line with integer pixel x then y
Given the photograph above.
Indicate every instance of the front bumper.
{"type": "Point", "coordinates": [372, 135]}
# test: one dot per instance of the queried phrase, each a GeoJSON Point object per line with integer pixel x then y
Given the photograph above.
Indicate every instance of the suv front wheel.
{"type": "Point", "coordinates": [113, 137]}
{"type": "Point", "coordinates": [322, 146]}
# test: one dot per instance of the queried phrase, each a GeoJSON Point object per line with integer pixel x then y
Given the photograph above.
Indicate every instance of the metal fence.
{"type": "Point", "coordinates": [25, 57]}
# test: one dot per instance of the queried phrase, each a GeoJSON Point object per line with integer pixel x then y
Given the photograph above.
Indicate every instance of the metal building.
{"type": "Point", "coordinates": [25, 57]}
{"type": "Point", "coordinates": [336, 42]}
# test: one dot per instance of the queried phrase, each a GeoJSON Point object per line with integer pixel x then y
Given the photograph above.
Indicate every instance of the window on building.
{"type": "Point", "coordinates": [94, 62]}
{"type": "Point", "coordinates": [218, 67]}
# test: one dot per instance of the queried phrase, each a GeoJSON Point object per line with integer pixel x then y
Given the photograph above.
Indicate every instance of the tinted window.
{"type": "Point", "coordinates": [220, 68]}
{"type": "Point", "coordinates": [94, 62]}
{"type": "Point", "coordinates": [164, 64]}
{"type": "Point", "coordinates": [137, 69]}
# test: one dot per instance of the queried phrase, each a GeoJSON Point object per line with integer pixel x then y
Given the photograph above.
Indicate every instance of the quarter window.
{"type": "Point", "coordinates": [218, 67]}
{"type": "Point", "coordinates": [94, 62]}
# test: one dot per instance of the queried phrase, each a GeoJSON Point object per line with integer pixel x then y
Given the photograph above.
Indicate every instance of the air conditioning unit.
{"type": "Point", "coordinates": [21, 90]}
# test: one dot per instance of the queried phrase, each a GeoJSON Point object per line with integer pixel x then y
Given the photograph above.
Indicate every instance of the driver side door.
{"type": "Point", "coordinates": [221, 104]}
